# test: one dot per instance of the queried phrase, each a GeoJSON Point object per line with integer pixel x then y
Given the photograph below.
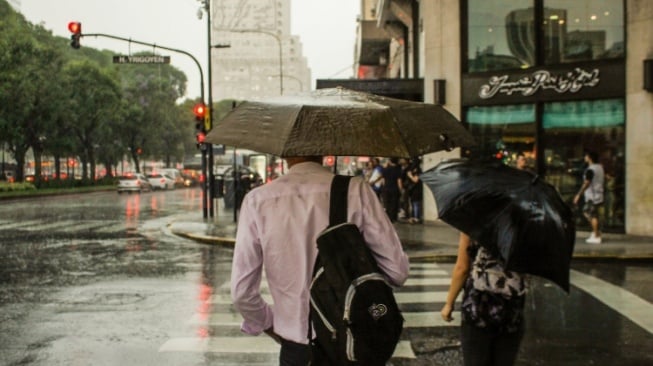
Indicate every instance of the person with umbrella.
{"type": "Point", "coordinates": [512, 223]}
{"type": "Point", "coordinates": [492, 306]}
{"type": "Point", "coordinates": [278, 226]}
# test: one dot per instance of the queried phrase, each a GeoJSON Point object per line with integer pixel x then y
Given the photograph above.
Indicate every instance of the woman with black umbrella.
{"type": "Point", "coordinates": [492, 306]}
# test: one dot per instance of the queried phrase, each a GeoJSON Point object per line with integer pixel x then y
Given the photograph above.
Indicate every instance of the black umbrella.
{"type": "Point", "coordinates": [339, 121]}
{"type": "Point", "coordinates": [513, 211]}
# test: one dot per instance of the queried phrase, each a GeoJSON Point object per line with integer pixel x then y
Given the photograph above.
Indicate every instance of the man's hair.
{"type": "Point", "coordinates": [593, 155]}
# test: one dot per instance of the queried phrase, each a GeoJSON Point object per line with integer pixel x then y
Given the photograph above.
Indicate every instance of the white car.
{"type": "Point", "coordinates": [161, 181]}
{"type": "Point", "coordinates": [175, 174]}
{"type": "Point", "coordinates": [133, 182]}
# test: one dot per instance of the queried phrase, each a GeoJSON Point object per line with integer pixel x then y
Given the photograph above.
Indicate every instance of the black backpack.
{"type": "Point", "coordinates": [353, 309]}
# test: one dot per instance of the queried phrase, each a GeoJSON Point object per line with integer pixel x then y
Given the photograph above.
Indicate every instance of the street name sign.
{"type": "Point", "coordinates": [141, 59]}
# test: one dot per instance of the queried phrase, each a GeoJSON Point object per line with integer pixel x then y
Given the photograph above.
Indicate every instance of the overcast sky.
{"type": "Point", "coordinates": [327, 29]}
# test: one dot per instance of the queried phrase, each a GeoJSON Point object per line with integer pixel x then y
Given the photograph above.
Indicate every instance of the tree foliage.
{"type": "Point", "coordinates": [76, 104]}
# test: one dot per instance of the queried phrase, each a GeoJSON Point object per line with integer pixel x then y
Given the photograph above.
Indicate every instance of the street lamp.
{"type": "Point", "coordinates": [276, 36]}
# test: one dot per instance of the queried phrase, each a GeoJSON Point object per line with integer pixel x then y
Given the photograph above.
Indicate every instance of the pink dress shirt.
{"type": "Point", "coordinates": [277, 228]}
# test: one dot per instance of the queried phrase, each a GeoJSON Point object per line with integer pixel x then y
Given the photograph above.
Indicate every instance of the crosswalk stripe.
{"type": "Point", "coordinates": [49, 226]}
{"type": "Point", "coordinates": [261, 344]}
{"type": "Point", "coordinates": [428, 265]}
{"type": "Point", "coordinates": [423, 319]}
{"type": "Point", "coordinates": [81, 227]}
{"type": "Point", "coordinates": [112, 228]}
{"type": "Point", "coordinates": [428, 272]}
{"type": "Point", "coordinates": [401, 297]}
{"type": "Point", "coordinates": [421, 274]}
{"type": "Point", "coordinates": [620, 300]}
{"type": "Point", "coordinates": [429, 281]}
{"type": "Point", "coordinates": [18, 224]}
{"type": "Point", "coordinates": [412, 281]}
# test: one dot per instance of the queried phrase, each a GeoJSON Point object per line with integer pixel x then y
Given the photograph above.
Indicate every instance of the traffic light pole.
{"type": "Point", "coordinates": [210, 146]}
{"type": "Point", "coordinates": [205, 188]}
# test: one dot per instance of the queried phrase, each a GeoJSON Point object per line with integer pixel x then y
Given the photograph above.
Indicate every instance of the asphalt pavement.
{"type": "Point", "coordinates": [430, 241]}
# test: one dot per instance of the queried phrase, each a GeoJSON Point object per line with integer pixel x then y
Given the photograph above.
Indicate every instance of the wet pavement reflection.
{"type": "Point", "coordinates": [98, 279]}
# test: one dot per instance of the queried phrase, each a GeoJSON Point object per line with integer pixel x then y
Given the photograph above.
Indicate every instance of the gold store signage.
{"type": "Point", "coordinates": [569, 82]}
{"type": "Point", "coordinates": [604, 80]}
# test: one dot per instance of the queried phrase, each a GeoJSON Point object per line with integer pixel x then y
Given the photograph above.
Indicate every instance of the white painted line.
{"type": "Point", "coordinates": [425, 297]}
{"type": "Point", "coordinates": [260, 344]}
{"type": "Point", "coordinates": [424, 265]}
{"type": "Point", "coordinates": [412, 320]}
{"type": "Point", "coordinates": [412, 281]}
{"type": "Point", "coordinates": [404, 350]}
{"type": "Point", "coordinates": [622, 301]}
{"type": "Point", "coordinates": [18, 224]}
{"type": "Point", "coordinates": [427, 281]}
{"type": "Point", "coordinates": [429, 272]}
{"type": "Point", "coordinates": [82, 227]}
{"type": "Point", "coordinates": [50, 226]}
{"type": "Point", "coordinates": [112, 228]}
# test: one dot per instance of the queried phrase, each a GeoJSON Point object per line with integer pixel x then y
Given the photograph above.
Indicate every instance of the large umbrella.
{"type": "Point", "coordinates": [511, 210]}
{"type": "Point", "coordinates": [339, 121]}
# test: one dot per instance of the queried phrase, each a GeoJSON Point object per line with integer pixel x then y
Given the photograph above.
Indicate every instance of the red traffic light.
{"type": "Point", "coordinates": [199, 110]}
{"type": "Point", "coordinates": [201, 136]}
{"type": "Point", "coordinates": [75, 27]}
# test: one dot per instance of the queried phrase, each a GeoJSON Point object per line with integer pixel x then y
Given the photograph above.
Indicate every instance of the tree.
{"type": "Point", "coordinates": [16, 84]}
{"type": "Point", "coordinates": [95, 97]}
{"type": "Point", "coordinates": [151, 123]}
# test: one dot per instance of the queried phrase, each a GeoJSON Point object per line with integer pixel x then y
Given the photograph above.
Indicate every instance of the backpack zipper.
{"type": "Point", "coordinates": [326, 323]}
{"type": "Point", "coordinates": [349, 297]}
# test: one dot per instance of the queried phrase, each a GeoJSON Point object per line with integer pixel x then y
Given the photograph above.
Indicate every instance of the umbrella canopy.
{"type": "Point", "coordinates": [507, 209]}
{"type": "Point", "coordinates": [339, 121]}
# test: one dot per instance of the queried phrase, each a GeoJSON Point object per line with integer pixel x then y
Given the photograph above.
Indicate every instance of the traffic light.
{"type": "Point", "coordinates": [200, 131]}
{"type": "Point", "coordinates": [76, 29]}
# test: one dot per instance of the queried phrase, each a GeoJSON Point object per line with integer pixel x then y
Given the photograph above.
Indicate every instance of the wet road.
{"type": "Point", "coordinates": [97, 279]}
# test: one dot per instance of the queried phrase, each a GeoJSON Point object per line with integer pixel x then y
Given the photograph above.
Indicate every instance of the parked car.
{"type": "Point", "coordinates": [175, 174]}
{"type": "Point", "coordinates": [161, 181]}
{"type": "Point", "coordinates": [133, 182]}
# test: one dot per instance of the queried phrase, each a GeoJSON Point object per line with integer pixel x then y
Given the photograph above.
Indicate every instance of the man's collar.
{"type": "Point", "coordinates": [307, 166]}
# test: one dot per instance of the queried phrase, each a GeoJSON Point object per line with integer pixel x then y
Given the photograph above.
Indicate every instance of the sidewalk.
{"type": "Point", "coordinates": [431, 241]}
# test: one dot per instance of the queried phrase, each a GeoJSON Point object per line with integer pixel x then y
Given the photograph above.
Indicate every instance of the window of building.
{"type": "Point", "coordinates": [582, 30]}
{"type": "Point", "coordinates": [570, 129]}
{"type": "Point", "coordinates": [501, 132]}
{"type": "Point", "coordinates": [501, 34]}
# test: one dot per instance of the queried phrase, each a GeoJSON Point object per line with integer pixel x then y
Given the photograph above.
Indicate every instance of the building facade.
{"type": "Point", "coordinates": [547, 78]}
{"type": "Point", "coordinates": [262, 58]}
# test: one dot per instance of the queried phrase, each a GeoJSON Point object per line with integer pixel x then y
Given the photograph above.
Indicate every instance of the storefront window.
{"type": "Point", "coordinates": [501, 34]}
{"type": "Point", "coordinates": [502, 132]}
{"type": "Point", "coordinates": [570, 129]}
{"type": "Point", "coordinates": [583, 30]}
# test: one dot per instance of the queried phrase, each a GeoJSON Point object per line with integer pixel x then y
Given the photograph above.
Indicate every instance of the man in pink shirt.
{"type": "Point", "coordinates": [277, 230]}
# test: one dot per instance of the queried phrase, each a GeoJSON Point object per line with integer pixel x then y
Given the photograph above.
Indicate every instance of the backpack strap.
{"type": "Point", "coordinates": [338, 199]}
{"type": "Point", "coordinates": [337, 215]}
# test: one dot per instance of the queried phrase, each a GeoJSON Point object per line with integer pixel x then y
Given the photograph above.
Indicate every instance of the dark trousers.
{"type": "Point", "coordinates": [391, 204]}
{"type": "Point", "coordinates": [486, 348]}
{"type": "Point", "coordinates": [294, 354]}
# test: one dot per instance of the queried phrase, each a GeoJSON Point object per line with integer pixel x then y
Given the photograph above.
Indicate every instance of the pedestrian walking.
{"type": "Point", "coordinates": [277, 230]}
{"type": "Point", "coordinates": [592, 190]}
{"type": "Point", "coordinates": [376, 177]}
{"type": "Point", "coordinates": [492, 324]}
{"type": "Point", "coordinates": [390, 192]}
{"type": "Point", "coordinates": [416, 193]}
